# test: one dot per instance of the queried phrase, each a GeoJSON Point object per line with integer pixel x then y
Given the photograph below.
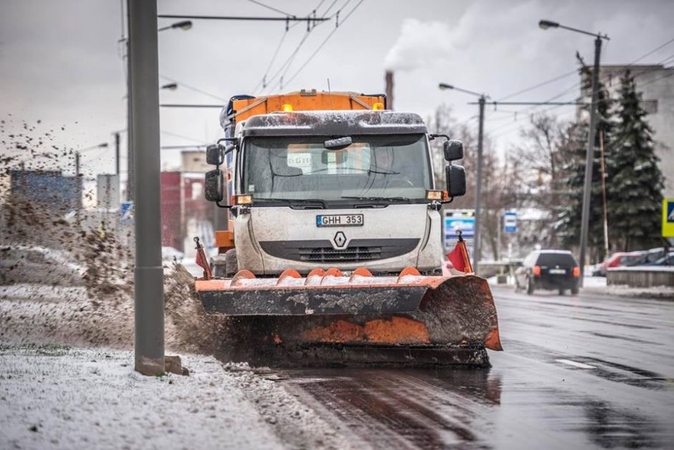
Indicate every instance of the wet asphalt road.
{"type": "Point", "coordinates": [588, 371]}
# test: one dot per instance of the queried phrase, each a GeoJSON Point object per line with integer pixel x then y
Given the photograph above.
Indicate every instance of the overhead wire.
{"type": "Point", "coordinates": [578, 84]}
{"type": "Point", "coordinates": [326, 39]}
{"type": "Point", "coordinates": [271, 8]}
{"type": "Point", "coordinates": [201, 91]}
{"type": "Point", "coordinates": [264, 82]}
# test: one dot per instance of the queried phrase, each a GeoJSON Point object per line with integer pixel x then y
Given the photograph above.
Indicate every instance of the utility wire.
{"type": "Point", "coordinates": [578, 84]}
{"type": "Point", "coordinates": [619, 74]}
{"type": "Point", "coordinates": [264, 82]}
{"type": "Point", "coordinates": [200, 141]}
{"type": "Point", "coordinates": [271, 9]}
{"type": "Point", "coordinates": [192, 88]}
{"type": "Point", "coordinates": [325, 40]}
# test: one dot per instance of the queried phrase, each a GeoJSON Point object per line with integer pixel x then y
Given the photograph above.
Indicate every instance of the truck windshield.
{"type": "Point", "coordinates": [393, 166]}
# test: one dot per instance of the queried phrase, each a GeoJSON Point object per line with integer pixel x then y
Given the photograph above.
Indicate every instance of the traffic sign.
{"type": "Point", "coordinates": [668, 217]}
{"type": "Point", "coordinates": [510, 222]}
{"type": "Point", "coordinates": [126, 212]}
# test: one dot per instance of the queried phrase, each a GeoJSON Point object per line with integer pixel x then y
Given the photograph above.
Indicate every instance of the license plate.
{"type": "Point", "coordinates": [340, 220]}
{"type": "Point", "coordinates": [557, 271]}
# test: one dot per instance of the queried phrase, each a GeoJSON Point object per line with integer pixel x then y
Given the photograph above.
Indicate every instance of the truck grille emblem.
{"type": "Point", "coordinates": [340, 239]}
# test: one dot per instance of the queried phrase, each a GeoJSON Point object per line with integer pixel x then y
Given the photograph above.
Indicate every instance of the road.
{"type": "Point", "coordinates": [586, 371]}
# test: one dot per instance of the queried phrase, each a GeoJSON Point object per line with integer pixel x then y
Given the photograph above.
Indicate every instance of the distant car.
{"type": "Point", "coordinates": [39, 265]}
{"type": "Point", "coordinates": [667, 260]}
{"type": "Point", "coordinates": [171, 254]}
{"type": "Point", "coordinates": [548, 269]}
{"type": "Point", "coordinates": [619, 259]}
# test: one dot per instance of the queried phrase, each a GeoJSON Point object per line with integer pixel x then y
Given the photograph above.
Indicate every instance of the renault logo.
{"type": "Point", "coordinates": [339, 239]}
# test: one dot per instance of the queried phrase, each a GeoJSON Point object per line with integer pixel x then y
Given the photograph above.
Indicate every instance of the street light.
{"type": "Point", "coordinates": [478, 180]}
{"type": "Point", "coordinates": [184, 25]}
{"type": "Point", "coordinates": [131, 175]}
{"type": "Point", "coordinates": [170, 86]}
{"type": "Point", "coordinates": [587, 188]}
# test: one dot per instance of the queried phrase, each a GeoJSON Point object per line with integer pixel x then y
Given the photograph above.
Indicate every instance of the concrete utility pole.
{"type": "Point", "coordinates": [144, 96]}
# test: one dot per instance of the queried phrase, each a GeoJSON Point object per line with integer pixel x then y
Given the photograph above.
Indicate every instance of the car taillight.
{"type": "Point", "coordinates": [576, 271]}
{"type": "Point", "coordinates": [537, 270]}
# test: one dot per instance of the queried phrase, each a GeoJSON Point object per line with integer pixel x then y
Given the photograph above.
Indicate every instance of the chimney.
{"type": "Point", "coordinates": [389, 89]}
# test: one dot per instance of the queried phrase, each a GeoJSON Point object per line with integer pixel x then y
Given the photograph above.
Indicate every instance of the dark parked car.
{"type": "Point", "coordinates": [548, 269]}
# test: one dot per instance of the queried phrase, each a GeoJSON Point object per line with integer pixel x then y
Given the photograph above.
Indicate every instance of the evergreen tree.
{"type": "Point", "coordinates": [569, 225]}
{"type": "Point", "coordinates": [635, 183]}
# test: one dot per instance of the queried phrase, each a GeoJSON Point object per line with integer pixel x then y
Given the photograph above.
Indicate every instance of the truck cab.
{"type": "Point", "coordinates": [331, 188]}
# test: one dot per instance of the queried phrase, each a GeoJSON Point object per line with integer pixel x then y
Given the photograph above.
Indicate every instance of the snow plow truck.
{"type": "Point", "coordinates": [333, 250]}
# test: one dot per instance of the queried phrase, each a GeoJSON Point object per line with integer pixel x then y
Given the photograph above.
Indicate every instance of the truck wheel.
{"type": "Point", "coordinates": [575, 290]}
{"type": "Point", "coordinates": [530, 286]}
{"type": "Point", "coordinates": [561, 291]}
{"type": "Point", "coordinates": [231, 265]}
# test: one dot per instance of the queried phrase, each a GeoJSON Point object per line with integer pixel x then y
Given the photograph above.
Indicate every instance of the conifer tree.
{"type": "Point", "coordinates": [635, 182]}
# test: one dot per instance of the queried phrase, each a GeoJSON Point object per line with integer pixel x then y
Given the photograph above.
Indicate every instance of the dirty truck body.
{"type": "Point", "coordinates": [333, 249]}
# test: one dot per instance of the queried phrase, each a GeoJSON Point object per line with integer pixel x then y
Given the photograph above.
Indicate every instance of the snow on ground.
{"type": "Point", "coordinates": [67, 381]}
{"type": "Point", "coordinates": [597, 285]}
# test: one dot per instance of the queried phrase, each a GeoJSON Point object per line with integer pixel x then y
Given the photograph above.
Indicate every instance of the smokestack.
{"type": "Point", "coordinates": [389, 89]}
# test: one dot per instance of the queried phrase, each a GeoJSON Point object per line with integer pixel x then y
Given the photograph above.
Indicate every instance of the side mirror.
{"type": "Point", "coordinates": [456, 180]}
{"type": "Point", "coordinates": [453, 150]}
{"type": "Point", "coordinates": [214, 186]}
{"type": "Point", "coordinates": [214, 155]}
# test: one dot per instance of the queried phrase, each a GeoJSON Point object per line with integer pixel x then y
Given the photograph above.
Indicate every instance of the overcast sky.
{"type": "Point", "coordinates": [61, 61]}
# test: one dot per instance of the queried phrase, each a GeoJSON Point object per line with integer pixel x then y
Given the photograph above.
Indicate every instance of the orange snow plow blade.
{"type": "Point", "coordinates": [362, 319]}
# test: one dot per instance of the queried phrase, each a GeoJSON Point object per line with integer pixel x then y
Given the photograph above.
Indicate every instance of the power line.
{"type": "Point", "coordinates": [201, 91]}
{"type": "Point", "coordinates": [578, 84]}
{"type": "Point", "coordinates": [286, 65]}
{"type": "Point", "coordinates": [552, 80]}
{"type": "Point", "coordinates": [326, 39]}
{"type": "Point", "coordinates": [270, 8]}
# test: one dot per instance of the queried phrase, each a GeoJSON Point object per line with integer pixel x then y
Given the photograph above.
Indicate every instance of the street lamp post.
{"type": "Point", "coordinates": [589, 158]}
{"type": "Point", "coordinates": [131, 175]}
{"type": "Point", "coordinates": [478, 181]}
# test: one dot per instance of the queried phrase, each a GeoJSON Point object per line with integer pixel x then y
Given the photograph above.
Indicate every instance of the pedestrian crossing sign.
{"type": "Point", "coordinates": [126, 212]}
{"type": "Point", "coordinates": [668, 217]}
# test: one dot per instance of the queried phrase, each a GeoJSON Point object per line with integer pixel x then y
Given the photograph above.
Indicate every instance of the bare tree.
{"type": "Point", "coordinates": [541, 158]}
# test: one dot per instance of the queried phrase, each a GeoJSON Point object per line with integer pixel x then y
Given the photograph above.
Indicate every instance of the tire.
{"type": "Point", "coordinates": [575, 290]}
{"type": "Point", "coordinates": [231, 264]}
{"type": "Point", "coordinates": [560, 291]}
{"type": "Point", "coordinates": [530, 286]}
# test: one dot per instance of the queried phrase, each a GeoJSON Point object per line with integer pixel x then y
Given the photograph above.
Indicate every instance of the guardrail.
{"type": "Point", "coordinates": [641, 276]}
{"type": "Point", "coordinates": [499, 269]}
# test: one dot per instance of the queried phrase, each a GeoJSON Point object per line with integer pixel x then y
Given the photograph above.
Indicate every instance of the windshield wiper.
{"type": "Point", "coordinates": [300, 203]}
{"type": "Point", "coordinates": [379, 199]}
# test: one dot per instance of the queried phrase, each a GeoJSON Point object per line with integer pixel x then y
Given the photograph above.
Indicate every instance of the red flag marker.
{"type": "Point", "coordinates": [459, 256]}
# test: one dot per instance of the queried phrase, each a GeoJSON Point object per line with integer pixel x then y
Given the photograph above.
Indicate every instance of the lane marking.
{"type": "Point", "coordinates": [575, 364]}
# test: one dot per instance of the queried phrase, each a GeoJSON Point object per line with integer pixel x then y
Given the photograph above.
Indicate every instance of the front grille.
{"type": "Point", "coordinates": [322, 251]}
{"type": "Point", "coordinates": [329, 254]}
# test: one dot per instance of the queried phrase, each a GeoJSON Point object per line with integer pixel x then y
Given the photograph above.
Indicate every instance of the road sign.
{"type": "Point", "coordinates": [459, 220]}
{"type": "Point", "coordinates": [668, 217]}
{"type": "Point", "coordinates": [510, 222]}
{"type": "Point", "coordinates": [126, 211]}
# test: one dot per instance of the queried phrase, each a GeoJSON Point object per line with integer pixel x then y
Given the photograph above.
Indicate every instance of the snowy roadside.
{"type": "Point", "coordinates": [67, 382]}
{"type": "Point", "coordinates": [598, 286]}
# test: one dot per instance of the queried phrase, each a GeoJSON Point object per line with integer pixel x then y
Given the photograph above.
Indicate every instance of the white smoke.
{"type": "Point", "coordinates": [420, 45]}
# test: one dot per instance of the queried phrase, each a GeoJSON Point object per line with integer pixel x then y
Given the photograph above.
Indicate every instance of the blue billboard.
{"type": "Point", "coordinates": [458, 220]}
